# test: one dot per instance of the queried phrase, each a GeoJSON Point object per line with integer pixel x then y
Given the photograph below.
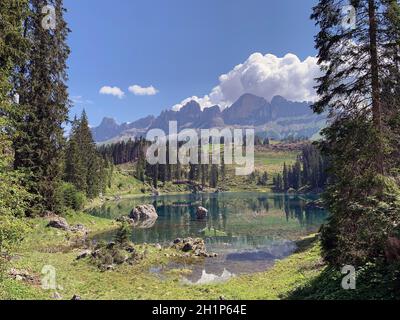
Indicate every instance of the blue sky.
{"type": "Point", "coordinates": [180, 47]}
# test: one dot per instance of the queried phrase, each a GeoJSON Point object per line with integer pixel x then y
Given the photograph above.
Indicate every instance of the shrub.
{"type": "Point", "coordinates": [123, 234]}
{"type": "Point", "coordinates": [70, 198]}
{"type": "Point", "coordinates": [12, 231]}
{"type": "Point", "coordinates": [359, 227]}
{"type": "Point", "coordinates": [14, 201]}
{"type": "Point", "coordinates": [119, 256]}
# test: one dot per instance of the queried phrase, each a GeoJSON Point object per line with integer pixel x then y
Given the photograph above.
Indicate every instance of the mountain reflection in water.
{"type": "Point", "coordinates": [249, 231]}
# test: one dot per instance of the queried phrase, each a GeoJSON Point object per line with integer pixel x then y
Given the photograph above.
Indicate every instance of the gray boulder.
{"type": "Point", "coordinates": [144, 212]}
{"type": "Point", "coordinates": [201, 213]}
{"type": "Point", "coordinates": [84, 254]}
{"type": "Point", "coordinates": [58, 223]}
{"type": "Point", "coordinates": [190, 246]}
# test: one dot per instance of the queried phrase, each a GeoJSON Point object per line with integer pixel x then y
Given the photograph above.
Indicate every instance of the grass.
{"type": "Point", "coordinates": [44, 246]}
{"type": "Point", "coordinates": [137, 282]}
{"type": "Point", "coordinates": [272, 161]}
{"type": "Point", "coordinates": [301, 276]}
{"type": "Point", "coordinates": [373, 282]}
{"type": "Point", "coordinates": [280, 281]}
{"type": "Point", "coordinates": [124, 183]}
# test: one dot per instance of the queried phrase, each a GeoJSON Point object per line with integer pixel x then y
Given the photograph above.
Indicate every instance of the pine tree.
{"type": "Point", "coordinates": [43, 103]}
{"type": "Point", "coordinates": [214, 176]}
{"type": "Point", "coordinates": [123, 234]}
{"type": "Point", "coordinates": [356, 73]}
{"type": "Point", "coordinates": [84, 166]}
{"type": "Point", "coordinates": [285, 177]}
{"type": "Point", "coordinates": [140, 167]}
{"type": "Point", "coordinates": [358, 55]}
{"type": "Point", "coordinates": [204, 172]}
{"type": "Point", "coordinates": [14, 198]}
{"type": "Point", "coordinates": [279, 183]}
{"type": "Point", "coordinates": [223, 167]}
{"type": "Point", "coordinates": [297, 183]}
{"type": "Point", "coordinates": [75, 167]}
{"type": "Point", "coordinates": [263, 180]}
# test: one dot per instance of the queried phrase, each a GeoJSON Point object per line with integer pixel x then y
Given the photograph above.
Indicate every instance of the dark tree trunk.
{"type": "Point", "coordinates": [376, 99]}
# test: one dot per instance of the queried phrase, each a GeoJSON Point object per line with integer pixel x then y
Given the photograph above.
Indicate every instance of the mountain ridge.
{"type": "Point", "coordinates": [248, 110]}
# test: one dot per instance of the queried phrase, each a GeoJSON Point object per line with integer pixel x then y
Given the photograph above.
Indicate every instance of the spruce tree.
{"type": "Point", "coordinates": [44, 104]}
{"type": "Point", "coordinates": [75, 167]}
{"type": "Point", "coordinates": [285, 177]}
{"type": "Point", "coordinates": [361, 195]}
{"type": "Point", "coordinates": [214, 176]}
{"type": "Point", "coordinates": [14, 198]}
{"type": "Point", "coordinates": [84, 166]}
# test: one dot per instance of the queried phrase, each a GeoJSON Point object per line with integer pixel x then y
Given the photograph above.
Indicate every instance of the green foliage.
{"type": "Point", "coordinates": [308, 171]}
{"type": "Point", "coordinates": [360, 224]}
{"type": "Point", "coordinates": [374, 281]}
{"type": "Point", "coordinates": [278, 183]}
{"type": "Point", "coordinates": [124, 151]}
{"type": "Point", "coordinates": [364, 206]}
{"type": "Point", "coordinates": [70, 198]}
{"type": "Point", "coordinates": [362, 96]}
{"type": "Point", "coordinates": [43, 105]}
{"type": "Point", "coordinates": [13, 196]}
{"type": "Point", "coordinates": [84, 166]}
{"type": "Point", "coordinates": [12, 232]}
{"type": "Point", "coordinates": [123, 234]}
{"type": "Point", "coordinates": [263, 179]}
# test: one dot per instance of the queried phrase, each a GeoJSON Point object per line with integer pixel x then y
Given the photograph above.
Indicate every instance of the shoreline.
{"type": "Point", "coordinates": [97, 202]}
{"type": "Point", "coordinates": [52, 247]}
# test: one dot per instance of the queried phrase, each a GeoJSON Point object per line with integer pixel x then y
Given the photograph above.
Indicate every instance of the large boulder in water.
{"type": "Point", "coordinates": [201, 213]}
{"type": "Point", "coordinates": [142, 217]}
{"type": "Point", "coordinates": [144, 212]}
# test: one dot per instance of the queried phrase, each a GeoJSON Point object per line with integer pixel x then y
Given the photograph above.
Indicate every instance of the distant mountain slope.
{"type": "Point", "coordinates": [109, 128]}
{"type": "Point", "coordinates": [280, 116]}
{"type": "Point", "coordinates": [248, 110]}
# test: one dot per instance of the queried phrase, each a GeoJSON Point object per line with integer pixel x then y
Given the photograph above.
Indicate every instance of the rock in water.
{"type": "Point", "coordinates": [196, 247]}
{"type": "Point", "coordinates": [58, 223]}
{"type": "Point", "coordinates": [144, 212]}
{"type": "Point", "coordinates": [142, 217]}
{"type": "Point", "coordinates": [201, 213]}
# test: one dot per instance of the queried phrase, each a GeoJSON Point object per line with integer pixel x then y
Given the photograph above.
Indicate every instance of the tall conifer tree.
{"type": "Point", "coordinates": [355, 64]}
{"type": "Point", "coordinates": [44, 102]}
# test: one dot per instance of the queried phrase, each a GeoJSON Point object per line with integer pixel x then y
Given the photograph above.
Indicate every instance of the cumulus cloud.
{"type": "Point", "coordinates": [113, 91]}
{"type": "Point", "coordinates": [143, 91]}
{"type": "Point", "coordinates": [265, 76]}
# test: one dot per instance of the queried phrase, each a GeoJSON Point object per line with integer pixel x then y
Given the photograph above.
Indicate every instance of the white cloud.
{"type": "Point", "coordinates": [79, 100]}
{"type": "Point", "coordinates": [143, 91]}
{"type": "Point", "coordinates": [204, 102]}
{"type": "Point", "coordinates": [265, 76]}
{"type": "Point", "coordinates": [114, 91]}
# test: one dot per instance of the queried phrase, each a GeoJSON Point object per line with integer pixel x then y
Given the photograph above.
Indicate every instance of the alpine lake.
{"type": "Point", "coordinates": [249, 231]}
